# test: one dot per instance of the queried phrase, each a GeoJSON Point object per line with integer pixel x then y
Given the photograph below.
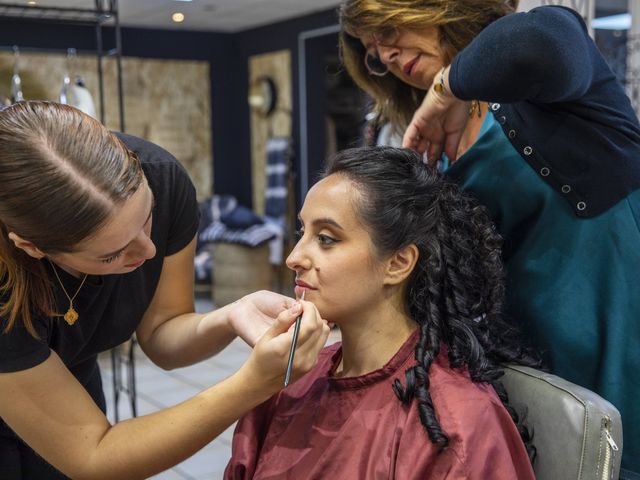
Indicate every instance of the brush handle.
{"type": "Point", "coordinates": [296, 331]}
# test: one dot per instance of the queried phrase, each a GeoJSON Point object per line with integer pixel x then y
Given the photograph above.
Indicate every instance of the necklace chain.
{"type": "Point", "coordinates": [71, 316]}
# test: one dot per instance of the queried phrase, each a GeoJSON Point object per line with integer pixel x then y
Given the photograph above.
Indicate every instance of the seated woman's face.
{"type": "Point", "coordinates": [333, 259]}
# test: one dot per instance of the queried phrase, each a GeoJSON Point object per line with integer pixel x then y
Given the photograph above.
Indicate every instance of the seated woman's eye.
{"type": "Point", "coordinates": [326, 240]}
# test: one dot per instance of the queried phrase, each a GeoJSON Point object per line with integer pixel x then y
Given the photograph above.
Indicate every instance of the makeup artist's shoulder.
{"type": "Point", "coordinates": [146, 150]}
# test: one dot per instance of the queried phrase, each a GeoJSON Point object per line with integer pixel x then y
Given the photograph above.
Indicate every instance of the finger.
{"type": "Point", "coordinates": [434, 153]}
{"type": "Point", "coordinates": [312, 337]}
{"type": "Point", "coordinates": [288, 303]}
{"type": "Point", "coordinates": [408, 139]}
{"type": "Point", "coordinates": [275, 302]}
{"type": "Point", "coordinates": [312, 326]}
{"type": "Point", "coordinates": [451, 145]}
{"type": "Point", "coordinates": [284, 320]}
{"type": "Point", "coordinates": [310, 320]}
{"type": "Point", "coordinates": [414, 139]}
{"type": "Point", "coordinates": [308, 350]}
{"type": "Point", "coordinates": [422, 145]}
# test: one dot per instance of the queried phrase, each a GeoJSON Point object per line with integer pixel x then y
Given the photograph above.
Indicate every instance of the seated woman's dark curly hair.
{"type": "Point", "coordinates": [456, 290]}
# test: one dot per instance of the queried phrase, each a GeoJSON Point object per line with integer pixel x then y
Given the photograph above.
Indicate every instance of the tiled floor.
{"type": "Point", "coordinates": [157, 389]}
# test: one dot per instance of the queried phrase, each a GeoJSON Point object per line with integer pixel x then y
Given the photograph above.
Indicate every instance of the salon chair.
{"type": "Point", "coordinates": [577, 434]}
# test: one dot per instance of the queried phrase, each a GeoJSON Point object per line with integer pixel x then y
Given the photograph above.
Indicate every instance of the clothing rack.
{"type": "Point", "coordinates": [104, 12]}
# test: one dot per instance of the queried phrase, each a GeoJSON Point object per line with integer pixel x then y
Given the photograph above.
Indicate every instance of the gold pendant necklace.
{"type": "Point", "coordinates": [71, 316]}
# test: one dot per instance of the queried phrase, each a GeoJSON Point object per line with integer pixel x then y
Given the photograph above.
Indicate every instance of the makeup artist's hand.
{"type": "Point", "coordinates": [268, 361]}
{"type": "Point", "coordinates": [253, 314]}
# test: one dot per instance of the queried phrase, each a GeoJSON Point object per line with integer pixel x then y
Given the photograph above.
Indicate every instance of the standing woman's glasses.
{"type": "Point", "coordinates": [373, 62]}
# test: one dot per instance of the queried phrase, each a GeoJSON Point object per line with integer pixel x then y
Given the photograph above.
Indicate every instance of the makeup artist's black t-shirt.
{"type": "Point", "coordinates": [110, 306]}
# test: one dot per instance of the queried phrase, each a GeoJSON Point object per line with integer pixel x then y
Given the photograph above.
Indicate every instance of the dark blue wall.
{"type": "Point", "coordinates": [280, 36]}
{"type": "Point", "coordinates": [228, 55]}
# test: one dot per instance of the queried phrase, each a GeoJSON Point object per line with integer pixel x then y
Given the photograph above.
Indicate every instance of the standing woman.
{"type": "Point", "coordinates": [97, 237]}
{"type": "Point", "coordinates": [556, 159]}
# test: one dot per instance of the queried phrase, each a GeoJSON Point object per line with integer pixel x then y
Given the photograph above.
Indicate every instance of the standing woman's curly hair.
{"type": "Point", "coordinates": [458, 22]}
{"type": "Point", "coordinates": [456, 290]}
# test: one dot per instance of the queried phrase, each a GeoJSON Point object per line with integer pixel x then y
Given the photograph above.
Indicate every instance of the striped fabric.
{"type": "Point", "coordinates": [251, 237]}
{"type": "Point", "coordinates": [275, 195]}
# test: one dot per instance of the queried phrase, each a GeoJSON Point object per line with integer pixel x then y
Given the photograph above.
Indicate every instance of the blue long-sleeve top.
{"type": "Point", "coordinates": [558, 102]}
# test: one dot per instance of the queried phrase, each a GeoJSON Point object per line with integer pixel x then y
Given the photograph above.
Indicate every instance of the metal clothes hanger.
{"type": "Point", "coordinates": [65, 91]}
{"type": "Point", "coordinates": [16, 82]}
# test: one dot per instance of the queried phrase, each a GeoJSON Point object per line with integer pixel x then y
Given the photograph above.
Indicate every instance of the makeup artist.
{"type": "Point", "coordinates": [97, 242]}
{"type": "Point", "coordinates": [535, 124]}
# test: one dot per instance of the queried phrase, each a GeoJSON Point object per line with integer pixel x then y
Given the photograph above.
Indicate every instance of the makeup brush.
{"type": "Point", "coordinates": [296, 331]}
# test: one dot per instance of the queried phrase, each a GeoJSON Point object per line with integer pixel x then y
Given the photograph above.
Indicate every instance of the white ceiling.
{"type": "Point", "coordinates": [226, 15]}
{"type": "Point", "coordinates": [204, 15]}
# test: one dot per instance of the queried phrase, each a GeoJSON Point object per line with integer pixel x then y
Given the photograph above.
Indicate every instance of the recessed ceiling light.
{"type": "Point", "coordinates": [32, 2]}
{"type": "Point", "coordinates": [177, 17]}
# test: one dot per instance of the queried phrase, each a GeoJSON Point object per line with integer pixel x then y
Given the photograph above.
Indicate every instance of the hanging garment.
{"type": "Point", "coordinates": [77, 95]}
{"type": "Point", "coordinates": [276, 194]}
{"type": "Point", "coordinates": [277, 169]}
{"type": "Point", "coordinates": [83, 98]}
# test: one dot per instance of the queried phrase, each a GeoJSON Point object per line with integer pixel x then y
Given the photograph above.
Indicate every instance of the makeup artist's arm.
{"type": "Point", "coordinates": [173, 336]}
{"type": "Point", "coordinates": [48, 408]}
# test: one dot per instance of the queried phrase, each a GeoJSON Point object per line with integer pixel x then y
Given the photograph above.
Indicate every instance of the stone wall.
{"type": "Point", "coordinates": [166, 101]}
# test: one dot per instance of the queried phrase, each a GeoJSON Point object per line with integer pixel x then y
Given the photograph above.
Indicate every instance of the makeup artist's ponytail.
{"type": "Point", "coordinates": [456, 290]}
{"type": "Point", "coordinates": [24, 285]}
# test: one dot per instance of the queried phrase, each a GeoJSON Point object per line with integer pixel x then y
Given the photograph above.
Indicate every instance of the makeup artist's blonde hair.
{"type": "Point", "coordinates": [458, 22]}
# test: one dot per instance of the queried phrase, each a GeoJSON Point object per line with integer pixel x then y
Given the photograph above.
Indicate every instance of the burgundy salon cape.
{"type": "Point", "coordinates": [356, 429]}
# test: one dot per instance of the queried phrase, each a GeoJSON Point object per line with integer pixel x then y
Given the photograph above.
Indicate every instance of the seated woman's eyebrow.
{"type": "Point", "coordinates": [326, 221]}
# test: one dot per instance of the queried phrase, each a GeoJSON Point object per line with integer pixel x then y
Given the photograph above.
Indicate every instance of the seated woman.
{"type": "Point", "coordinates": [409, 268]}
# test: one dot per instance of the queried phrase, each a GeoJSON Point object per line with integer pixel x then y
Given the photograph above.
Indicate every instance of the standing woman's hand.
{"type": "Point", "coordinates": [267, 364]}
{"type": "Point", "coordinates": [439, 122]}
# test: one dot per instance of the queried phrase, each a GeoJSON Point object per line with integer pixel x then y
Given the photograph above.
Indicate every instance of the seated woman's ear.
{"type": "Point", "coordinates": [400, 265]}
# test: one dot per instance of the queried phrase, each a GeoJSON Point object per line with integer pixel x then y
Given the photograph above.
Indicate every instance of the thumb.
{"type": "Point", "coordinates": [284, 320]}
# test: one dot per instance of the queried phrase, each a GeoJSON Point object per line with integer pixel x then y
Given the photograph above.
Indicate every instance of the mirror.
{"type": "Point", "coordinates": [263, 96]}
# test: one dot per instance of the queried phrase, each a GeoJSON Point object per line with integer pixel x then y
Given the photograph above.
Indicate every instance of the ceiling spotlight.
{"type": "Point", "coordinates": [31, 2]}
{"type": "Point", "coordinates": [178, 17]}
